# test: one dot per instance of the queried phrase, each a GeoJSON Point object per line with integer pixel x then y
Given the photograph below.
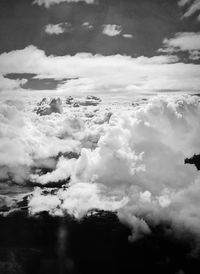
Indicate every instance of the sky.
{"type": "Point", "coordinates": [101, 47]}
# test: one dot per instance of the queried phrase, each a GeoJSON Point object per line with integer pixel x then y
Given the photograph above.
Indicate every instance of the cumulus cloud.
{"type": "Point", "coordinates": [185, 42]}
{"type": "Point", "coordinates": [57, 28]}
{"type": "Point", "coordinates": [136, 169]}
{"type": "Point", "coordinates": [111, 30]}
{"type": "Point", "coordinates": [48, 3]}
{"type": "Point", "coordinates": [62, 171]}
{"type": "Point", "coordinates": [77, 200]}
{"type": "Point", "coordinates": [194, 7]}
{"type": "Point", "coordinates": [27, 139]}
{"type": "Point", "coordinates": [114, 74]}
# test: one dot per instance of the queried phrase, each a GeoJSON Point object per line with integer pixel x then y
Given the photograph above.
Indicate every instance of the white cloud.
{"type": "Point", "coordinates": [137, 168]}
{"type": "Point", "coordinates": [87, 25]}
{"type": "Point", "coordinates": [132, 163]}
{"type": "Point", "coordinates": [57, 28]}
{"type": "Point", "coordinates": [99, 74]}
{"type": "Point", "coordinates": [48, 3]}
{"type": "Point", "coordinates": [184, 41]}
{"type": "Point", "coordinates": [111, 30]}
{"type": "Point", "coordinates": [26, 139]}
{"type": "Point", "coordinates": [194, 7]}
{"type": "Point", "coordinates": [7, 84]}
{"type": "Point", "coordinates": [127, 35]}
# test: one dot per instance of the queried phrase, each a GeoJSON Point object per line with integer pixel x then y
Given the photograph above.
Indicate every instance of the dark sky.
{"type": "Point", "coordinates": [22, 24]}
{"type": "Point", "coordinates": [146, 22]}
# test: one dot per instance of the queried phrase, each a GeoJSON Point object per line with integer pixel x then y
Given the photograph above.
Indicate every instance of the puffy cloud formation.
{"type": "Point", "coordinates": [105, 75]}
{"type": "Point", "coordinates": [57, 28]}
{"type": "Point", "coordinates": [111, 30]}
{"type": "Point", "coordinates": [194, 7]}
{"type": "Point", "coordinates": [48, 3]}
{"type": "Point", "coordinates": [76, 200]}
{"type": "Point", "coordinates": [184, 41]}
{"type": "Point", "coordinates": [118, 157]}
{"type": "Point", "coordinates": [30, 141]}
{"type": "Point", "coordinates": [137, 168]}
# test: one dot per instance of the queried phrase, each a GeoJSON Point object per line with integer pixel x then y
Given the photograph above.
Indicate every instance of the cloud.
{"type": "Point", "coordinates": [194, 7]}
{"type": "Point", "coordinates": [57, 28]}
{"type": "Point", "coordinates": [111, 30]}
{"type": "Point", "coordinates": [131, 163]}
{"type": "Point", "coordinates": [127, 35]}
{"type": "Point", "coordinates": [77, 200]}
{"type": "Point", "coordinates": [48, 3]}
{"type": "Point", "coordinates": [87, 25]}
{"type": "Point", "coordinates": [137, 168]}
{"type": "Point", "coordinates": [62, 172]}
{"type": "Point", "coordinates": [185, 42]}
{"type": "Point", "coordinates": [11, 84]}
{"type": "Point", "coordinates": [115, 74]}
{"type": "Point", "coordinates": [28, 141]}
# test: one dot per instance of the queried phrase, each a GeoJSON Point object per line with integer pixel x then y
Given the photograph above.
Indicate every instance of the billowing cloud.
{"type": "Point", "coordinates": [185, 42]}
{"type": "Point", "coordinates": [48, 3]}
{"type": "Point", "coordinates": [194, 7]}
{"type": "Point", "coordinates": [137, 168]}
{"type": "Point", "coordinates": [98, 74]}
{"type": "Point", "coordinates": [111, 30]}
{"type": "Point", "coordinates": [57, 28]}
{"type": "Point", "coordinates": [27, 139]}
{"type": "Point", "coordinates": [132, 163]}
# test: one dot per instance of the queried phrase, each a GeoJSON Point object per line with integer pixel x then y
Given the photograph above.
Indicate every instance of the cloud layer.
{"type": "Point", "coordinates": [131, 162]}
{"type": "Point", "coordinates": [136, 169]}
{"type": "Point", "coordinates": [106, 75]}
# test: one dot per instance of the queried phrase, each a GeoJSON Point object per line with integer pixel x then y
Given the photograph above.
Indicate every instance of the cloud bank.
{"type": "Point", "coordinates": [106, 75]}
{"type": "Point", "coordinates": [132, 163]}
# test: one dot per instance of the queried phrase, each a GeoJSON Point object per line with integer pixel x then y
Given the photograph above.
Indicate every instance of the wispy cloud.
{"type": "Point", "coordinates": [127, 35]}
{"type": "Point", "coordinates": [193, 7]}
{"type": "Point", "coordinates": [48, 3]}
{"type": "Point", "coordinates": [185, 42]}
